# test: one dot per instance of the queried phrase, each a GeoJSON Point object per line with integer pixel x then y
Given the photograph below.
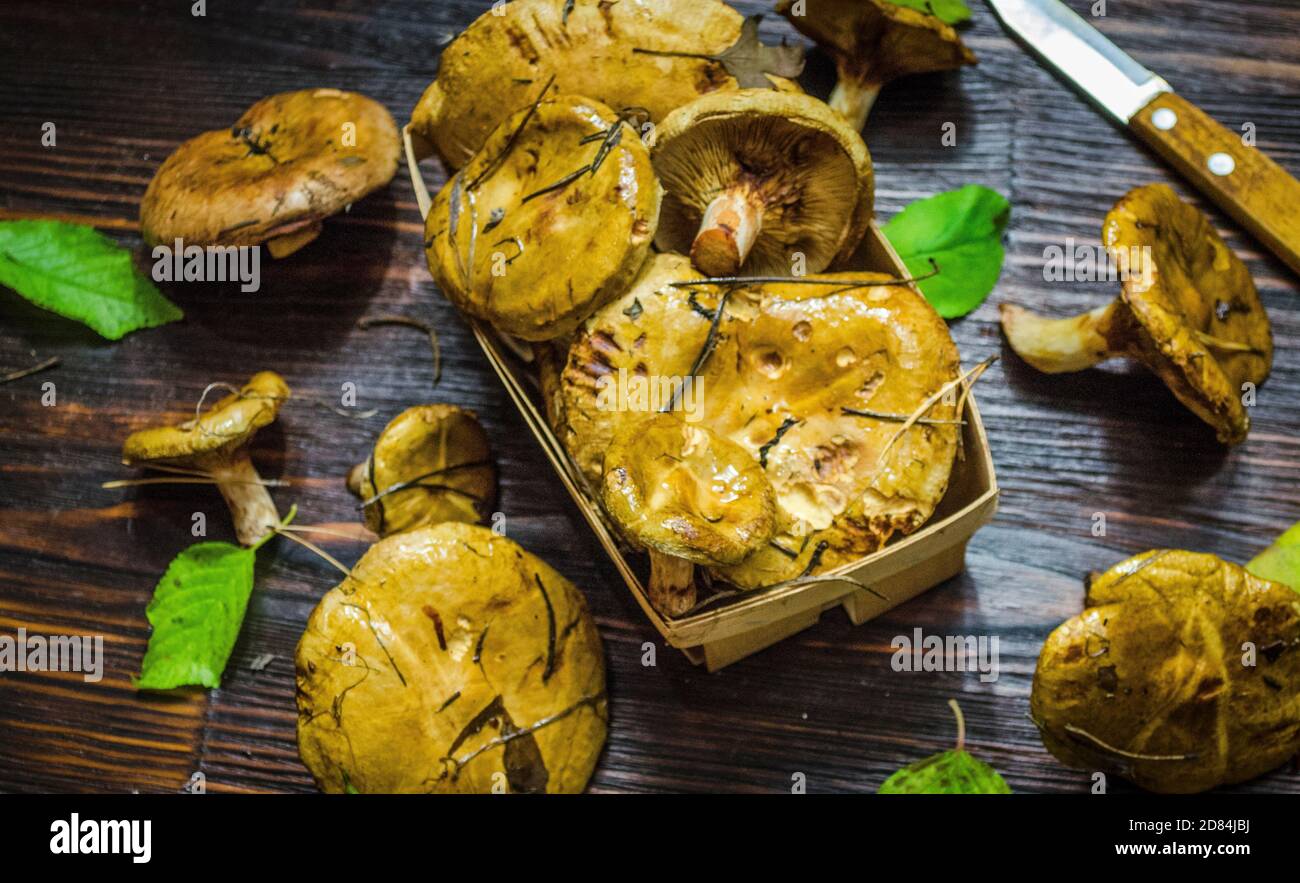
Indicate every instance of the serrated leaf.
{"type": "Point", "coordinates": [961, 231]}
{"type": "Point", "coordinates": [1280, 562]}
{"type": "Point", "coordinates": [76, 272]}
{"type": "Point", "coordinates": [950, 12]}
{"type": "Point", "coordinates": [750, 62]}
{"type": "Point", "coordinates": [952, 772]}
{"type": "Point", "coordinates": [197, 610]}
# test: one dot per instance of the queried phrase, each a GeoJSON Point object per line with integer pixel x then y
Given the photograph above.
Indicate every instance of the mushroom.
{"type": "Point", "coordinates": [873, 42]}
{"type": "Point", "coordinates": [1182, 673]}
{"type": "Point", "coordinates": [451, 660]}
{"type": "Point", "coordinates": [288, 163]}
{"type": "Point", "coordinates": [1188, 310]}
{"type": "Point", "coordinates": [755, 179]}
{"type": "Point", "coordinates": [214, 445]}
{"type": "Point", "coordinates": [430, 464]}
{"type": "Point", "coordinates": [651, 56]}
{"type": "Point", "coordinates": [818, 378]}
{"type": "Point", "coordinates": [551, 219]}
{"type": "Point", "coordinates": [689, 497]}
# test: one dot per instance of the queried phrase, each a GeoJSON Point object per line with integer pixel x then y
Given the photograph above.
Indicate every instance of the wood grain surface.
{"type": "Point", "coordinates": [124, 83]}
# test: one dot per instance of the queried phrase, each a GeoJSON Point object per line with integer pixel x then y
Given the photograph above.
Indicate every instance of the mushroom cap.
{"type": "Point", "coordinates": [496, 66]}
{"type": "Point", "coordinates": [809, 170]}
{"type": "Point", "coordinates": [1153, 667]}
{"type": "Point", "coordinates": [446, 446]}
{"type": "Point", "coordinates": [787, 351]}
{"type": "Point", "coordinates": [1196, 286]}
{"type": "Point", "coordinates": [874, 41]}
{"type": "Point", "coordinates": [683, 490]}
{"type": "Point", "coordinates": [226, 425]}
{"type": "Point", "coordinates": [443, 641]}
{"type": "Point", "coordinates": [285, 165]}
{"type": "Point", "coordinates": [551, 254]}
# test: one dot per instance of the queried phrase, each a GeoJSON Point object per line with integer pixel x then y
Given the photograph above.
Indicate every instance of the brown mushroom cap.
{"type": "Point", "coordinates": [451, 660]}
{"type": "Point", "coordinates": [528, 241]}
{"type": "Point", "coordinates": [754, 178]}
{"type": "Point", "coordinates": [873, 42]}
{"type": "Point", "coordinates": [1188, 310]}
{"type": "Point", "coordinates": [289, 162]}
{"type": "Point", "coordinates": [497, 65]}
{"type": "Point", "coordinates": [430, 464]}
{"type": "Point", "coordinates": [687, 492]}
{"type": "Point", "coordinates": [787, 352]}
{"type": "Point", "coordinates": [229, 423]}
{"type": "Point", "coordinates": [1149, 682]}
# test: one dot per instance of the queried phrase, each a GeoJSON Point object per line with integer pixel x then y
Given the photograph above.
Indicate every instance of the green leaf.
{"type": "Point", "coordinates": [196, 613]}
{"type": "Point", "coordinates": [949, 12]}
{"type": "Point", "coordinates": [952, 772]}
{"type": "Point", "coordinates": [1280, 562]}
{"type": "Point", "coordinates": [78, 273]}
{"type": "Point", "coordinates": [961, 230]}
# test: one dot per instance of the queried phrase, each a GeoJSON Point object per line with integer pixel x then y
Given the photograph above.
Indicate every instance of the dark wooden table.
{"type": "Point", "coordinates": [125, 83]}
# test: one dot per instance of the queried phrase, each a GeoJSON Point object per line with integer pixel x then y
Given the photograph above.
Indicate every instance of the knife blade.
{"type": "Point", "coordinates": [1239, 178]}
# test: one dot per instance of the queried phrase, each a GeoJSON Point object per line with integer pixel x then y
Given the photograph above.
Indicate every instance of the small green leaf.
{"type": "Point", "coordinates": [952, 772]}
{"type": "Point", "coordinates": [196, 613]}
{"type": "Point", "coordinates": [949, 12]}
{"type": "Point", "coordinates": [1280, 562]}
{"type": "Point", "coordinates": [78, 273]}
{"type": "Point", "coordinates": [960, 230]}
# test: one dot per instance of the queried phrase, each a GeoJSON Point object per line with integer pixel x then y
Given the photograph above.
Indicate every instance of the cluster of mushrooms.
{"type": "Point", "coordinates": [643, 191]}
{"type": "Point", "coordinates": [655, 199]}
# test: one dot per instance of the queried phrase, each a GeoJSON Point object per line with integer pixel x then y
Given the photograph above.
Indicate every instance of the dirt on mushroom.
{"type": "Point", "coordinates": [291, 161]}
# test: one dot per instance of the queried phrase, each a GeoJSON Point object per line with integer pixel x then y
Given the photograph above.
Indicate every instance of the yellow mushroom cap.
{"type": "Point", "coordinates": [451, 660]}
{"type": "Point", "coordinates": [685, 491]}
{"type": "Point", "coordinates": [1149, 681]}
{"type": "Point", "coordinates": [1203, 328]}
{"type": "Point", "coordinates": [226, 425]}
{"type": "Point", "coordinates": [807, 172]}
{"type": "Point", "coordinates": [500, 63]}
{"type": "Point", "coordinates": [439, 456]}
{"type": "Point", "coordinates": [290, 161]}
{"type": "Point", "coordinates": [527, 237]}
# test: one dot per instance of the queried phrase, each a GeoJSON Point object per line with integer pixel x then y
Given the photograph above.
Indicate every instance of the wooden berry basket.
{"type": "Point", "coordinates": [738, 627]}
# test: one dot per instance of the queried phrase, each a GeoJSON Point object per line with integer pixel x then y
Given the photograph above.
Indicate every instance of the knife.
{"type": "Point", "coordinates": [1240, 179]}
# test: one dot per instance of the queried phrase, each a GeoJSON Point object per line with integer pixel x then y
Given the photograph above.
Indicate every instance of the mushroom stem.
{"type": "Point", "coordinates": [854, 100]}
{"type": "Point", "coordinates": [251, 507]}
{"type": "Point", "coordinates": [731, 225]}
{"type": "Point", "coordinates": [672, 584]}
{"type": "Point", "coordinates": [1059, 346]}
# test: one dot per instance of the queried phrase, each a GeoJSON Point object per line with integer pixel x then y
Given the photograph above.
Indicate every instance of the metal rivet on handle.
{"type": "Point", "coordinates": [1222, 164]}
{"type": "Point", "coordinates": [1164, 119]}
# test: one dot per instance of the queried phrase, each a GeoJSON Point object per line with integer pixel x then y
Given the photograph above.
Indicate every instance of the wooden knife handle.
{"type": "Point", "coordinates": [1245, 183]}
